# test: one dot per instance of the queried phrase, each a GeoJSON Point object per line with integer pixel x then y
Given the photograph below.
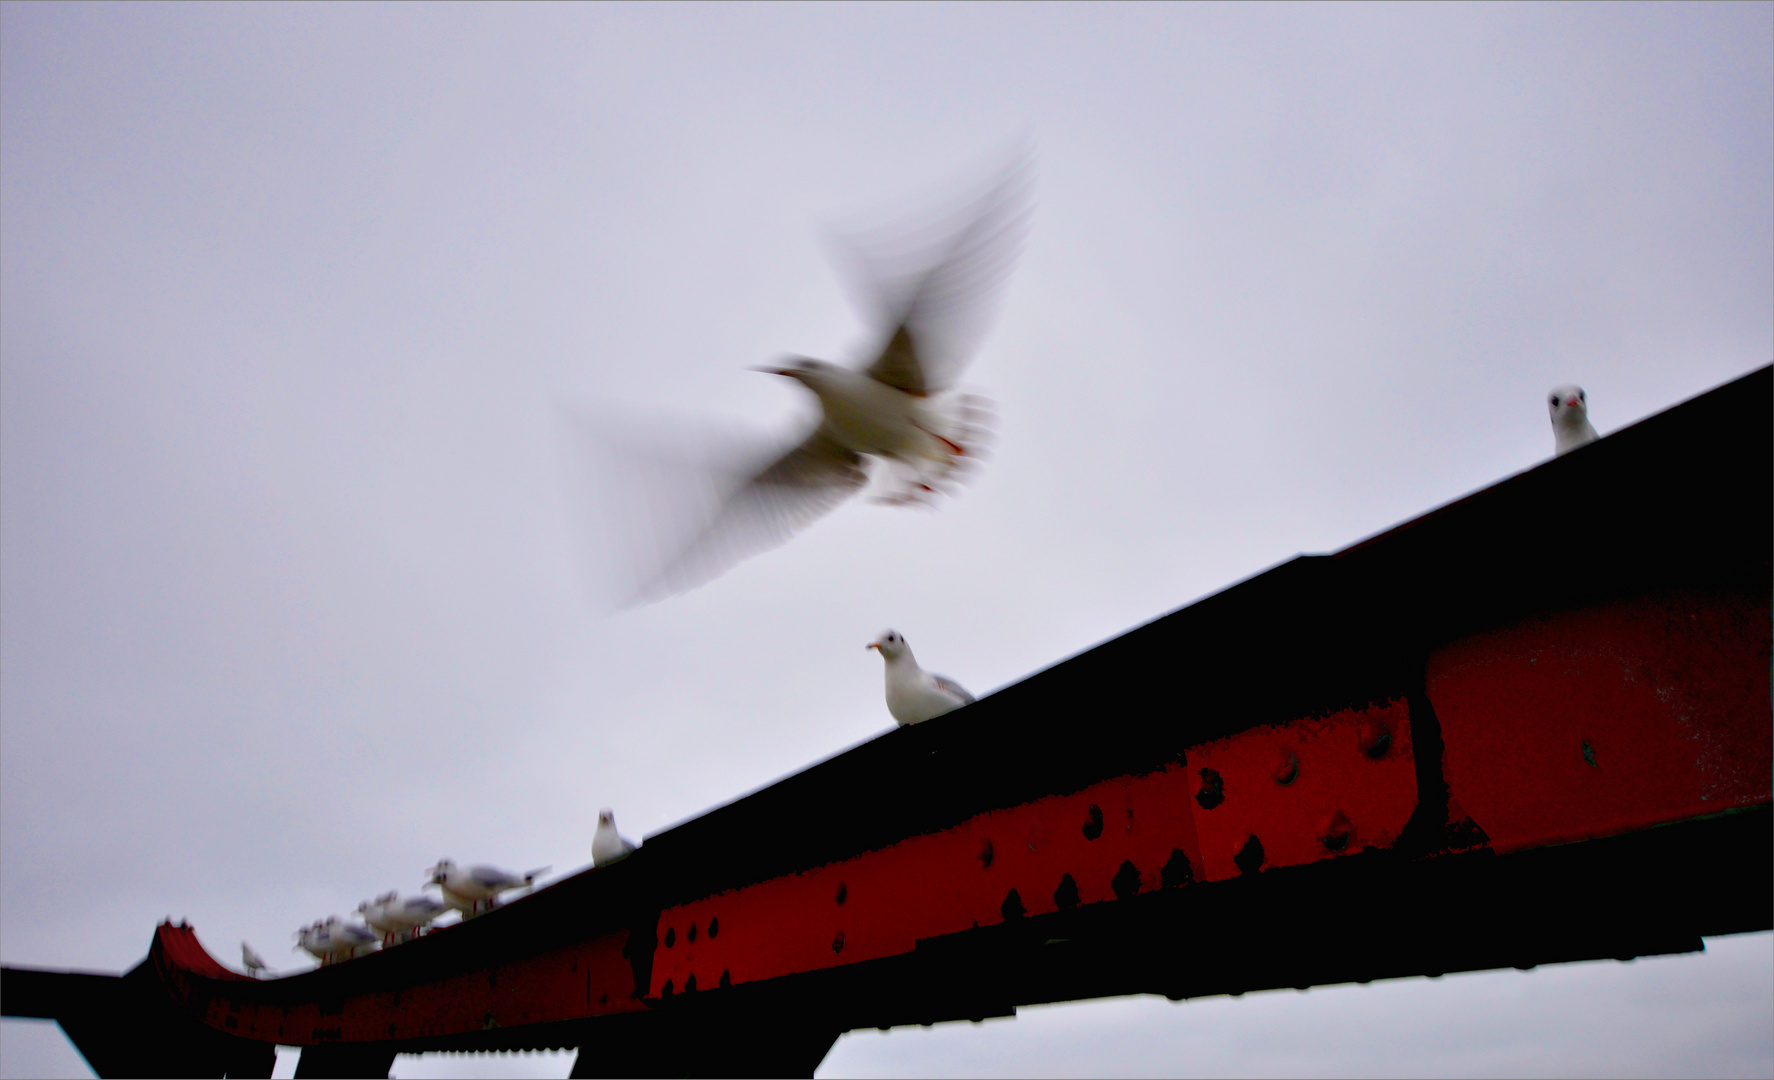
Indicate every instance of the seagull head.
{"type": "Point", "coordinates": [441, 871]}
{"type": "Point", "coordinates": [606, 817]}
{"type": "Point", "coordinates": [1568, 405]}
{"type": "Point", "coordinates": [891, 645]}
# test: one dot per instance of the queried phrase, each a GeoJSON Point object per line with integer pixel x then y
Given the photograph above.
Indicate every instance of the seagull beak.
{"type": "Point", "coordinates": [775, 371]}
{"type": "Point", "coordinates": [872, 645]}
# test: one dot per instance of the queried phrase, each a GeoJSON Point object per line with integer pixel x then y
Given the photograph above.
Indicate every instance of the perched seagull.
{"type": "Point", "coordinates": [913, 694]}
{"type": "Point", "coordinates": [607, 845]}
{"type": "Point", "coordinates": [478, 887]}
{"type": "Point", "coordinates": [1570, 419]}
{"type": "Point", "coordinates": [314, 940]}
{"type": "Point", "coordinates": [894, 419]}
{"type": "Point", "coordinates": [350, 938]}
{"type": "Point", "coordinates": [371, 912]}
{"type": "Point", "coordinates": [397, 919]}
{"type": "Point", "coordinates": [333, 940]}
{"type": "Point", "coordinates": [253, 961]}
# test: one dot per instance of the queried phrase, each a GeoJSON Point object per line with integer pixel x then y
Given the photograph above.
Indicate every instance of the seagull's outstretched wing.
{"type": "Point", "coordinates": [782, 498]}
{"type": "Point", "coordinates": [661, 515]}
{"type": "Point", "coordinates": [931, 288]}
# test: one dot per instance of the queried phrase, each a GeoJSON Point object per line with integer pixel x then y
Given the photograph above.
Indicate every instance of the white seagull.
{"type": "Point", "coordinates": [349, 937]}
{"type": "Point", "coordinates": [334, 939]}
{"type": "Point", "coordinates": [397, 919]}
{"type": "Point", "coordinates": [253, 961]}
{"type": "Point", "coordinates": [314, 940]}
{"type": "Point", "coordinates": [913, 694]}
{"type": "Point", "coordinates": [607, 845]}
{"type": "Point", "coordinates": [478, 887]}
{"type": "Point", "coordinates": [1571, 428]}
{"type": "Point", "coordinates": [896, 416]}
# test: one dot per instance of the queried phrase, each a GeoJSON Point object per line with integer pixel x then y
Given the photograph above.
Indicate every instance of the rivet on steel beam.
{"type": "Point", "coordinates": [690, 936]}
{"type": "Point", "coordinates": [1334, 832]}
{"type": "Point", "coordinates": [671, 936]}
{"type": "Point", "coordinates": [1213, 789]}
{"type": "Point", "coordinates": [1012, 908]}
{"type": "Point", "coordinates": [1376, 737]}
{"type": "Point", "coordinates": [843, 892]}
{"type": "Point", "coordinates": [1093, 822]}
{"type": "Point", "coordinates": [1066, 896]}
{"type": "Point", "coordinates": [714, 927]}
{"type": "Point", "coordinates": [1287, 768]}
{"type": "Point", "coordinates": [1588, 754]}
{"type": "Point", "coordinates": [985, 855]}
{"type": "Point", "coordinates": [838, 942]}
{"type": "Point", "coordinates": [1176, 871]}
{"type": "Point", "coordinates": [1250, 857]}
{"type": "Point", "coordinates": [1126, 881]}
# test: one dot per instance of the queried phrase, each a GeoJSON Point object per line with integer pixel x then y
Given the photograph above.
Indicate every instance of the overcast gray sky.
{"type": "Point", "coordinates": [290, 604]}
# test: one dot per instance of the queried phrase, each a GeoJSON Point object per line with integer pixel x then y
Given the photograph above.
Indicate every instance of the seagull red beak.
{"type": "Point", "coordinates": [872, 645]}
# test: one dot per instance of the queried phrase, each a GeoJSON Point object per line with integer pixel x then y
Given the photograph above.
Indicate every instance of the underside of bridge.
{"type": "Point", "coordinates": [1529, 727]}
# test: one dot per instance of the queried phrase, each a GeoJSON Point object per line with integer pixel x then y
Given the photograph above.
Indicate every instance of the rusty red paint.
{"type": "Point", "coordinates": [1612, 718]}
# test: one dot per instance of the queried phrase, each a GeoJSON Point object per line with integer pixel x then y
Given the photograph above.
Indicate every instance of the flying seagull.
{"type": "Point", "coordinates": [913, 694]}
{"type": "Point", "coordinates": [1571, 428]}
{"type": "Point", "coordinates": [607, 845]}
{"type": "Point", "coordinates": [896, 420]}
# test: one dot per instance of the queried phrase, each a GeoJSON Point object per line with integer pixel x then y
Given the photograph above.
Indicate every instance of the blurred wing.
{"type": "Point", "coordinates": [932, 286]}
{"type": "Point", "coordinates": [488, 878]}
{"type": "Point", "coordinates": [953, 687]}
{"type": "Point", "coordinates": [664, 513]}
{"type": "Point", "coordinates": [784, 497]}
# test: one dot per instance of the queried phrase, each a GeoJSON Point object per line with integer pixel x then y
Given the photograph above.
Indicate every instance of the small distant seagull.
{"type": "Point", "coordinates": [926, 288]}
{"type": "Point", "coordinates": [253, 961]}
{"type": "Point", "coordinates": [913, 694]}
{"type": "Point", "coordinates": [1570, 419]}
{"type": "Point", "coordinates": [607, 845]}
{"type": "Point", "coordinates": [478, 887]}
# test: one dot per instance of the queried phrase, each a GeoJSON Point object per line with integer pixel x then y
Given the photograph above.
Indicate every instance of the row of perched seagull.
{"type": "Point", "coordinates": [391, 919]}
